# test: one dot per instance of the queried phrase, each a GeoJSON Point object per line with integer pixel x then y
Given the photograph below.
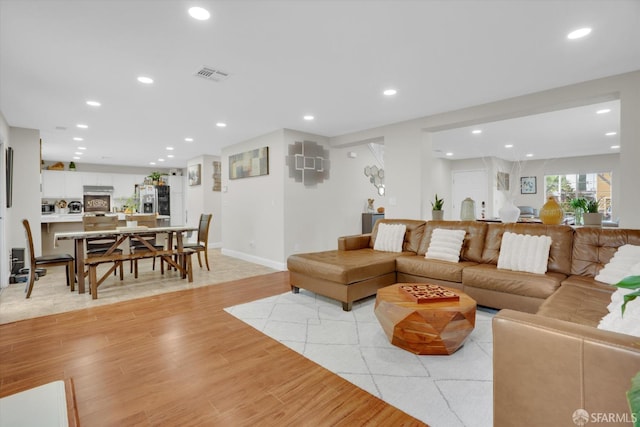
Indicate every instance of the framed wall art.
{"type": "Point", "coordinates": [250, 163]}
{"type": "Point", "coordinates": [195, 174]}
{"type": "Point", "coordinates": [503, 181]}
{"type": "Point", "coordinates": [528, 185]}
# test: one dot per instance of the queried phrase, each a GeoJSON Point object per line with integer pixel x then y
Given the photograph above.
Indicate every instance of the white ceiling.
{"type": "Point", "coordinates": [331, 59]}
{"type": "Point", "coordinates": [580, 131]}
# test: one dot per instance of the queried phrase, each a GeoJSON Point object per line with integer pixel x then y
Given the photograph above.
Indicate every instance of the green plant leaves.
{"type": "Point", "coordinates": [629, 282]}
{"type": "Point", "coordinates": [633, 397]}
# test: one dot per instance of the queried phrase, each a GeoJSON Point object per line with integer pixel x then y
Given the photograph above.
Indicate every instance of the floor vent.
{"type": "Point", "coordinates": [212, 74]}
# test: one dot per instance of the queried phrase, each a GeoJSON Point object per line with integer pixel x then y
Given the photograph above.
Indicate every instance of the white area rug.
{"type": "Point", "coordinates": [445, 391]}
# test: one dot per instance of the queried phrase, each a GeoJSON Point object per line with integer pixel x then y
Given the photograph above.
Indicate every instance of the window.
{"type": "Point", "coordinates": [590, 186]}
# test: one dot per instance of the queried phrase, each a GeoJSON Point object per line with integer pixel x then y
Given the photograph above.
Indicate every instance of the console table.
{"type": "Point", "coordinates": [369, 220]}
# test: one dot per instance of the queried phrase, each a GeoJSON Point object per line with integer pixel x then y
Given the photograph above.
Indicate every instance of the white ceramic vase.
{"type": "Point", "coordinates": [509, 212]}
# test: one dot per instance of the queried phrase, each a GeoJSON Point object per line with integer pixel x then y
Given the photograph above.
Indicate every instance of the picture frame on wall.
{"type": "Point", "coordinates": [503, 181]}
{"type": "Point", "coordinates": [528, 185]}
{"type": "Point", "coordinates": [195, 174]}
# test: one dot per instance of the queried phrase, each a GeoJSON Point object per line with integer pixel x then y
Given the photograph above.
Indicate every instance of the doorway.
{"type": "Point", "coordinates": [473, 184]}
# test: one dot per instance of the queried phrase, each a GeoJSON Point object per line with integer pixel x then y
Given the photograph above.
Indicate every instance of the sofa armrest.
{"type": "Point", "coordinates": [350, 243]}
{"type": "Point", "coordinates": [545, 369]}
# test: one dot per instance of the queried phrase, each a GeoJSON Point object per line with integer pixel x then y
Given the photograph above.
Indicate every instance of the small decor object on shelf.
{"type": "Point", "coordinates": [428, 292]}
{"type": "Point", "coordinates": [592, 218]}
{"type": "Point", "coordinates": [509, 212]}
{"type": "Point", "coordinates": [468, 210]}
{"type": "Point", "coordinates": [551, 212]}
{"type": "Point", "coordinates": [381, 209]}
{"type": "Point", "coordinates": [370, 208]}
{"type": "Point", "coordinates": [72, 166]}
{"type": "Point", "coordinates": [437, 213]}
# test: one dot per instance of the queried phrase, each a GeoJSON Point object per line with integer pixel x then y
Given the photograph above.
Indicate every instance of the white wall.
{"type": "Point", "coordinates": [253, 208]}
{"type": "Point", "coordinates": [4, 247]}
{"type": "Point", "coordinates": [26, 188]}
{"type": "Point", "coordinates": [202, 199]}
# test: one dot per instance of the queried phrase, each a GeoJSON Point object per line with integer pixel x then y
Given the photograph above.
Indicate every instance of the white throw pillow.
{"type": "Point", "coordinates": [445, 244]}
{"type": "Point", "coordinates": [621, 265]}
{"type": "Point", "coordinates": [523, 252]}
{"type": "Point", "coordinates": [615, 321]}
{"type": "Point", "coordinates": [390, 237]}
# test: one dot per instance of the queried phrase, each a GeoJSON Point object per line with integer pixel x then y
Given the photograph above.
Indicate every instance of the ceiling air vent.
{"type": "Point", "coordinates": [212, 74]}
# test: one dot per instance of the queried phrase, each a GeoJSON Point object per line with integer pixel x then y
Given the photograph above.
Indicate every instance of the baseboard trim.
{"type": "Point", "coordinates": [254, 259]}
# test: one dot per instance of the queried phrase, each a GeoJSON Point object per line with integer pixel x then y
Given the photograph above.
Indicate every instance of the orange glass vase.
{"type": "Point", "coordinates": [551, 212]}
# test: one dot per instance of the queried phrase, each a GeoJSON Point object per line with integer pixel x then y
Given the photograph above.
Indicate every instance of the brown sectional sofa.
{"type": "Point", "coordinates": [549, 358]}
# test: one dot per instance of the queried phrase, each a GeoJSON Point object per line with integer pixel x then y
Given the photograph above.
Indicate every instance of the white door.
{"type": "Point", "coordinates": [474, 184]}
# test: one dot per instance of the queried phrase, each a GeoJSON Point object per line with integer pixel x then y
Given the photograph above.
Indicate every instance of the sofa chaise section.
{"type": "Point", "coordinates": [355, 270]}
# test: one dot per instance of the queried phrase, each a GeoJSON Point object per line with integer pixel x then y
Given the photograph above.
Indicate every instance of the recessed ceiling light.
{"type": "Point", "coordinates": [78, 153]}
{"type": "Point", "coordinates": [603, 111]}
{"type": "Point", "coordinates": [449, 154]}
{"type": "Point", "coordinates": [171, 156]}
{"type": "Point", "coordinates": [93, 103]}
{"type": "Point", "coordinates": [579, 33]}
{"type": "Point", "coordinates": [78, 139]}
{"type": "Point", "coordinates": [529, 155]}
{"type": "Point", "coordinates": [508, 146]}
{"type": "Point", "coordinates": [308, 117]}
{"type": "Point", "coordinates": [161, 160]}
{"type": "Point", "coordinates": [199, 13]}
{"type": "Point", "coordinates": [614, 147]}
{"type": "Point", "coordinates": [476, 131]}
{"type": "Point", "coordinates": [145, 80]}
{"type": "Point", "coordinates": [82, 148]}
{"type": "Point", "coordinates": [221, 125]}
{"type": "Point", "coordinates": [152, 163]}
{"type": "Point", "coordinates": [81, 126]}
{"type": "Point", "coordinates": [169, 148]}
{"type": "Point", "coordinates": [188, 139]}
{"type": "Point", "coordinates": [390, 92]}
{"type": "Point", "coordinates": [611, 133]}
{"type": "Point", "coordinates": [76, 158]}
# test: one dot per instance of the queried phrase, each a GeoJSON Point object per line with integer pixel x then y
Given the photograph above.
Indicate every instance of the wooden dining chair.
{"type": "Point", "coordinates": [150, 221]}
{"type": "Point", "coordinates": [46, 261]}
{"type": "Point", "coordinates": [97, 246]}
{"type": "Point", "coordinates": [202, 245]}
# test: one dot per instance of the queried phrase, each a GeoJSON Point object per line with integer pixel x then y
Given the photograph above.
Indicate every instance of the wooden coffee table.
{"type": "Point", "coordinates": [428, 327]}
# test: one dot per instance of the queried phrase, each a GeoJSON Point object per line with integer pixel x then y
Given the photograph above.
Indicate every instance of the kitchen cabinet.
{"type": "Point", "coordinates": [69, 185]}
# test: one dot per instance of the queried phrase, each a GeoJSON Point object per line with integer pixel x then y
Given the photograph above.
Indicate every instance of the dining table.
{"type": "Point", "coordinates": [121, 235]}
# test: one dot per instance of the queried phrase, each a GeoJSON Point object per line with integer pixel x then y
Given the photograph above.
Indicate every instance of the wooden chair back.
{"type": "Point", "coordinates": [99, 222]}
{"type": "Point", "coordinates": [203, 228]}
{"type": "Point", "coordinates": [32, 255]}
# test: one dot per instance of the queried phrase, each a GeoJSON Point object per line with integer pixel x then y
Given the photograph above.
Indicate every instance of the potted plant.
{"type": "Point", "coordinates": [633, 394]}
{"type": "Point", "coordinates": [156, 177]}
{"type": "Point", "coordinates": [592, 217]}
{"type": "Point", "coordinates": [437, 213]}
{"type": "Point", "coordinates": [579, 206]}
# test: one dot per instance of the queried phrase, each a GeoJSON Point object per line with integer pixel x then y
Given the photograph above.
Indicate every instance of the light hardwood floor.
{"type": "Point", "coordinates": [178, 359]}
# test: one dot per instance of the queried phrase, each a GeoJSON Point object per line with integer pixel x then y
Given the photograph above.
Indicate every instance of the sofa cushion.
{"type": "Point", "coordinates": [344, 266]}
{"type": "Point", "coordinates": [523, 252]}
{"type": "Point", "coordinates": [593, 247]}
{"type": "Point", "coordinates": [431, 268]}
{"type": "Point", "coordinates": [473, 239]}
{"type": "Point", "coordinates": [412, 237]}
{"type": "Point", "coordinates": [488, 276]}
{"type": "Point", "coordinates": [559, 253]}
{"type": "Point", "coordinates": [445, 244]}
{"type": "Point", "coordinates": [390, 237]}
{"type": "Point", "coordinates": [578, 304]}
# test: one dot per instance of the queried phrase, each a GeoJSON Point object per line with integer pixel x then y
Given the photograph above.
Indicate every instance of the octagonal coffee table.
{"type": "Point", "coordinates": [438, 327]}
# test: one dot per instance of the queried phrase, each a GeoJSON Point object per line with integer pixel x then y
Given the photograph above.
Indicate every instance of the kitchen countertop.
{"type": "Point", "coordinates": [56, 218]}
